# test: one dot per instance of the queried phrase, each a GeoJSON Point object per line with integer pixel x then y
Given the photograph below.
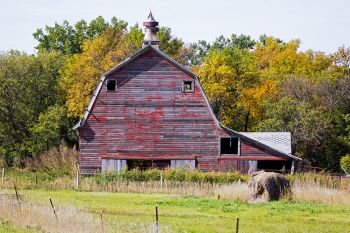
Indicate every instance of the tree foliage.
{"type": "Point", "coordinates": [272, 86]}
{"type": "Point", "coordinates": [28, 87]}
{"type": "Point", "coordinates": [345, 163]}
{"type": "Point", "coordinates": [68, 39]}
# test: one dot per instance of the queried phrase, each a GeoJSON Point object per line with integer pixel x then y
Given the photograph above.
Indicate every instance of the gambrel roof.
{"type": "Point", "coordinates": [254, 138]}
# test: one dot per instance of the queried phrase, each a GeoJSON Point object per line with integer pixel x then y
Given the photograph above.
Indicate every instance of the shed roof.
{"type": "Point", "coordinates": [277, 140]}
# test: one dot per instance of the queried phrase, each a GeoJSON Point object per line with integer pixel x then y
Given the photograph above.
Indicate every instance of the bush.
{"type": "Point", "coordinates": [60, 160]}
{"type": "Point", "coordinates": [345, 163]}
{"type": "Point", "coordinates": [176, 175]}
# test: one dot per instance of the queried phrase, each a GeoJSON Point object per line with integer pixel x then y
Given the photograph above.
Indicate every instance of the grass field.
{"type": "Point", "coordinates": [131, 212]}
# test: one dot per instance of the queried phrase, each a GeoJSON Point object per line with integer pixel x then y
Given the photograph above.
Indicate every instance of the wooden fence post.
{"type": "Point", "coordinates": [157, 220]}
{"type": "Point", "coordinates": [161, 180]}
{"type": "Point", "coordinates": [36, 180]}
{"type": "Point", "coordinates": [14, 185]}
{"type": "Point", "coordinates": [77, 179]}
{"type": "Point", "coordinates": [237, 225]}
{"type": "Point", "coordinates": [3, 176]}
{"type": "Point", "coordinates": [54, 211]}
{"type": "Point", "coordinates": [101, 216]}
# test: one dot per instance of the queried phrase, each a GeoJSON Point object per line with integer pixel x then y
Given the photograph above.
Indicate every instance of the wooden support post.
{"type": "Point", "coordinates": [292, 168]}
{"type": "Point", "coordinates": [77, 179]}
{"type": "Point", "coordinates": [53, 209]}
{"type": "Point", "coordinates": [157, 220]}
{"type": "Point", "coordinates": [3, 176]}
{"type": "Point", "coordinates": [161, 180]}
{"type": "Point", "coordinates": [14, 185]}
{"type": "Point", "coordinates": [101, 216]}
{"type": "Point", "coordinates": [237, 225]}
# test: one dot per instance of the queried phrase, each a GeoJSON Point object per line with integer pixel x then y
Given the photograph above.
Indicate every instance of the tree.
{"type": "Point", "coordinates": [169, 44]}
{"type": "Point", "coordinates": [28, 86]}
{"type": "Point", "coordinates": [68, 39]}
{"type": "Point", "coordinates": [51, 128]}
{"type": "Point", "coordinates": [345, 163]}
{"type": "Point", "coordinates": [253, 100]}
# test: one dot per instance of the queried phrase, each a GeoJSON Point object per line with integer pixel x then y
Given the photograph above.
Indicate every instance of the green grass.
{"type": "Point", "coordinates": [6, 227]}
{"type": "Point", "coordinates": [192, 214]}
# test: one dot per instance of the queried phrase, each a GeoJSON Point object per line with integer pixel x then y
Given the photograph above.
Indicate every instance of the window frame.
{"type": "Point", "coordinates": [238, 147]}
{"type": "Point", "coordinates": [183, 85]}
{"type": "Point", "coordinates": [115, 85]}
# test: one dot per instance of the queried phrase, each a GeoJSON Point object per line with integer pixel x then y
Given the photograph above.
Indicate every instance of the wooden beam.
{"type": "Point", "coordinates": [258, 158]}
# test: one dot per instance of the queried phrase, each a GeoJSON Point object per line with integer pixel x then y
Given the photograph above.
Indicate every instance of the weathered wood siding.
{"type": "Point", "coordinates": [149, 117]}
{"type": "Point", "coordinates": [248, 152]}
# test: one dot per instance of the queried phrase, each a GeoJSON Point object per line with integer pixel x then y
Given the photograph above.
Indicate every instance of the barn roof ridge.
{"type": "Point", "coordinates": [185, 70]}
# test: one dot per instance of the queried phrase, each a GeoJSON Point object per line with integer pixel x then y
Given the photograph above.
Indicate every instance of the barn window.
{"type": "Point", "coordinates": [229, 146]}
{"type": "Point", "coordinates": [111, 85]}
{"type": "Point", "coordinates": [187, 86]}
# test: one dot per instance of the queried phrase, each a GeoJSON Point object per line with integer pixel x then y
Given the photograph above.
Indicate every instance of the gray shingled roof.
{"type": "Point", "coordinates": [281, 141]}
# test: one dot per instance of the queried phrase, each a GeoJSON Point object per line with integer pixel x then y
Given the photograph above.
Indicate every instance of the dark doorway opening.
{"type": "Point", "coordinates": [147, 164]}
{"type": "Point", "coordinates": [276, 166]}
{"type": "Point", "coordinates": [161, 164]}
{"type": "Point", "coordinates": [229, 146]}
{"type": "Point", "coordinates": [139, 164]}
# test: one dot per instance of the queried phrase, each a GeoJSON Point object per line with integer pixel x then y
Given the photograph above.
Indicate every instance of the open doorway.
{"type": "Point", "coordinates": [147, 164]}
{"type": "Point", "coordinates": [275, 166]}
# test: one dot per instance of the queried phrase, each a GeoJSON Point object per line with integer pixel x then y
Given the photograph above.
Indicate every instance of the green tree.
{"type": "Point", "coordinates": [52, 127]}
{"type": "Point", "coordinates": [68, 39]}
{"type": "Point", "coordinates": [345, 163]}
{"type": "Point", "coordinates": [28, 86]}
{"type": "Point", "coordinates": [167, 43]}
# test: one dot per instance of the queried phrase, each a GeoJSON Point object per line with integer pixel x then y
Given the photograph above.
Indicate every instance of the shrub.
{"type": "Point", "coordinates": [61, 160]}
{"type": "Point", "coordinates": [169, 174]}
{"type": "Point", "coordinates": [345, 163]}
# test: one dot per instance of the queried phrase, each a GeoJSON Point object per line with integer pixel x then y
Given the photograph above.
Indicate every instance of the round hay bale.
{"type": "Point", "coordinates": [268, 186]}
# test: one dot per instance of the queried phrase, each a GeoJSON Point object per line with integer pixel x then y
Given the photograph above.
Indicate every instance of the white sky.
{"type": "Point", "coordinates": [320, 24]}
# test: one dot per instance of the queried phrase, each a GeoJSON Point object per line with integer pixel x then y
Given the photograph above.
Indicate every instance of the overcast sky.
{"type": "Point", "coordinates": [321, 25]}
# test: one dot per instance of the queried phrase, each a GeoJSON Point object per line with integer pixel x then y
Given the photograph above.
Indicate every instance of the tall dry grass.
{"type": "Point", "coordinates": [61, 159]}
{"type": "Point", "coordinates": [315, 188]}
{"type": "Point", "coordinates": [42, 218]}
{"type": "Point", "coordinates": [24, 215]}
{"type": "Point", "coordinates": [314, 192]}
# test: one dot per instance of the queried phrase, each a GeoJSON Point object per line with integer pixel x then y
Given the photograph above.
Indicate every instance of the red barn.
{"type": "Point", "coordinates": [150, 111]}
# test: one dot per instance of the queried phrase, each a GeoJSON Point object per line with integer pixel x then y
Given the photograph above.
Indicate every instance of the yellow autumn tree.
{"type": "Point", "coordinates": [216, 78]}
{"type": "Point", "coordinates": [253, 98]}
{"type": "Point", "coordinates": [82, 71]}
{"type": "Point", "coordinates": [277, 59]}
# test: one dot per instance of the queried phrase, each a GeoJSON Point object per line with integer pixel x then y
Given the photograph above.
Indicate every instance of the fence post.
{"type": "Point", "coordinates": [237, 225]}
{"type": "Point", "coordinates": [157, 220]}
{"type": "Point", "coordinates": [3, 176]}
{"type": "Point", "coordinates": [101, 216]}
{"type": "Point", "coordinates": [77, 179]}
{"type": "Point", "coordinates": [54, 211]}
{"type": "Point", "coordinates": [14, 185]}
{"type": "Point", "coordinates": [36, 180]}
{"type": "Point", "coordinates": [161, 180]}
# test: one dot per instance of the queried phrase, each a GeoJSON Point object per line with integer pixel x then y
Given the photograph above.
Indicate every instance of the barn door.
{"type": "Point", "coordinates": [113, 165]}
